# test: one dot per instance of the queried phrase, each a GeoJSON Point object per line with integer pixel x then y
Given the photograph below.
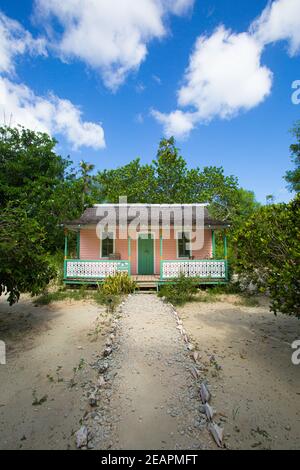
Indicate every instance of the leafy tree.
{"type": "Point", "coordinates": [87, 180]}
{"type": "Point", "coordinates": [24, 266]}
{"type": "Point", "coordinates": [293, 176]}
{"type": "Point", "coordinates": [268, 254]}
{"type": "Point", "coordinates": [170, 170]}
{"type": "Point", "coordinates": [132, 180]}
{"type": "Point", "coordinates": [169, 180]}
{"type": "Point", "coordinates": [212, 186]}
{"type": "Point", "coordinates": [34, 176]}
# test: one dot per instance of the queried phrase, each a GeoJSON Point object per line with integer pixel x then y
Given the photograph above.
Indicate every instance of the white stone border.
{"type": "Point", "coordinates": [216, 431]}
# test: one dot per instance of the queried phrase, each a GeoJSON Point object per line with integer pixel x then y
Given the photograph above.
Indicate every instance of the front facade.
{"type": "Point", "coordinates": [154, 252]}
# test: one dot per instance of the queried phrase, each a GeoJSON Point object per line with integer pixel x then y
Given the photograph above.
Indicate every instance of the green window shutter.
{"type": "Point", "coordinates": [107, 246]}
{"type": "Point", "coordinates": [183, 252]}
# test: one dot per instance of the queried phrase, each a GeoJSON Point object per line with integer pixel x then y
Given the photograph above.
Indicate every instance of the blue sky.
{"type": "Point", "coordinates": [110, 100]}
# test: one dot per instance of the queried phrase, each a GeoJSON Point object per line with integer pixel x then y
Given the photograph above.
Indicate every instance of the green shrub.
{"type": "Point", "coordinates": [62, 294]}
{"type": "Point", "coordinates": [56, 261]}
{"type": "Point", "coordinates": [112, 289]}
{"type": "Point", "coordinates": [118, 284]}
{"type": "Point", "coordinates": [182, 290]}
{"type": "Point", "coordinates": [268, 255]}
{"type": "Point", "coordinates": [109, 300]}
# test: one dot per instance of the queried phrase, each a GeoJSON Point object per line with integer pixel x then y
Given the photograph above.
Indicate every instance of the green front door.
{"type": "Point", "coordinates": [145, 255]}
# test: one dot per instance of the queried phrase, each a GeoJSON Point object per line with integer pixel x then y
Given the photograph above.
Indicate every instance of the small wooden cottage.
{"type": "Point", "coordinates": [110, 240]}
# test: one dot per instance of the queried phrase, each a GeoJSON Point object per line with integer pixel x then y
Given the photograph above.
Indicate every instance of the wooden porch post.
{"type": "Point", "coordinates": [66, 244]}
{"type": "Point", "coordinates": [225, 245]}
{"type": "Point", "coordinates": [213, 243]}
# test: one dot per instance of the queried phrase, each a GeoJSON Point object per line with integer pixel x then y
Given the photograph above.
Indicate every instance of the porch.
{"type": "Point", "coordinates": [153, 253]}
{"type": "Point", "coordinates": [95, 271]}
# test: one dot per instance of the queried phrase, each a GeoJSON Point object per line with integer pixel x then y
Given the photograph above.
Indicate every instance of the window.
{"type": "Point", "coordinates": [107, 244]}
{"type": "Point", "coordinates": [182, 244]}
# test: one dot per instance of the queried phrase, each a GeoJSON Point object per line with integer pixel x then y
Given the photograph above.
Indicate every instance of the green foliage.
{"type": "Point", "coordinates": [109, 300]}
{"type": "Point", "coordinates": [64, 294]}
{"type": "Point", "coordinates": [170, 170]}
{"type": "Point", "coordinates": [182, 290]}
{"type": "Point", "coordinates": [268, 254]}
{"type": "Point", "coordinates": [132, 180]}
{"type": "Point", "coordinates": [119, 284]}
{"type": "Point", "coordinates": [23, 260]}
{"type": "Point", "coordinates": [293, 176]}
{"type": "Point", "coordinates": [56, 262]}
{"type": "Point", "coordinates": [34, 177]}
{"type": "Point", "coordinates": [87, 182]}
{"type": "Point", "coordinates": [111, 290]}
{"type": "Point", "coordinates": [169, 180]}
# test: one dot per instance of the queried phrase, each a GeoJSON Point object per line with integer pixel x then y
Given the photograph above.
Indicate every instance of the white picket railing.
{"type": "Point", "coordinates": [208, 269]}
{"type": "Point", "coordinates": [94, 269]}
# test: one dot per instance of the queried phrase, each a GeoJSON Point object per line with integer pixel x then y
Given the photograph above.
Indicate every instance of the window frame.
{"type": "Point", "coordinates": [187, 233]}
{"type": "Point", "coordinates": [101, 244]}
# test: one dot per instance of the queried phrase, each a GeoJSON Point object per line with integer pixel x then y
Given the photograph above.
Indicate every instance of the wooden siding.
{"type": "Point", "coordinates": [90, 248]}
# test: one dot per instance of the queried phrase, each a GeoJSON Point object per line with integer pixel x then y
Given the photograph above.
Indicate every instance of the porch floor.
{"type": "Point", "coordinates": [144, 280]}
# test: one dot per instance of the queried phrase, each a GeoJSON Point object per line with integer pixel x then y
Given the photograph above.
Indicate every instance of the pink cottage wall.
{"type": "Point", "coordinates": [90, 248]}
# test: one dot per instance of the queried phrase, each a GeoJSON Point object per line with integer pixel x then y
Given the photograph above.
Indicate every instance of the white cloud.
{"type": "Point", "coordinates": [178, 7]}
{"type": "Point", "coordinates": [15, 40]}
{"type": "Point", "coordinates": [224, 77]}
{"type": "Point", "coordinates": [225, 74]}
{"type": "Point", "coordinates": [110, 36]}
{"type": "Point", "coordinates": [19, 105]}
{"type": "Point", "coordinates": [279, 21]}
{"type": "Point", "coordinates": [177, 123]}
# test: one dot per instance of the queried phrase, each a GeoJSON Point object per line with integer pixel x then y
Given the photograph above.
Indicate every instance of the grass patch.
{"type": "Point", "coordinates": [109, 293]}
{"type": "Point", "coordinates": [63, 294]}
{"type": "Point", "coordinates": [182, 290]}
{"type": "Point", "coordinates": [247, 301]}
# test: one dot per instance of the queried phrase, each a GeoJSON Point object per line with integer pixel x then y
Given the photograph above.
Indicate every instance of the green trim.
{"type": "Point", "coordinates": [161, 246]}
{"type": "Point", "coordinates": [213, 243]}
{"type": "Point", "coordinates": [161, 281]}
{"type": "Point", "coordinates": [66, 246]}
{"type": "Point", "coordinates": [158, 283]}
{"type": "Point", "coordinates": [217, 279]}
{"type": "Point", "coordinates": [192, 260]}
{"type": "Point", "coordinates": [123, 263]}
{"type": "Point", "coordinates": [201, 282]}
{"type": "Point", "coordinates": [99, 260]}
{"type": "Point", "coordinates": [65, 269]}
{"type": "Point", "coordinates": [225, 246]}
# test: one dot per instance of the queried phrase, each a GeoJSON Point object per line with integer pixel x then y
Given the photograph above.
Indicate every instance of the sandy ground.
{"type": "Point", "coordinates": [153, 401]}
{"type": "Point", "coordinates": [44, 346]}
{"type": "Point", "coordinates": [258, 388]}
{"type": "Point", "coordinates": [142, 395]}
